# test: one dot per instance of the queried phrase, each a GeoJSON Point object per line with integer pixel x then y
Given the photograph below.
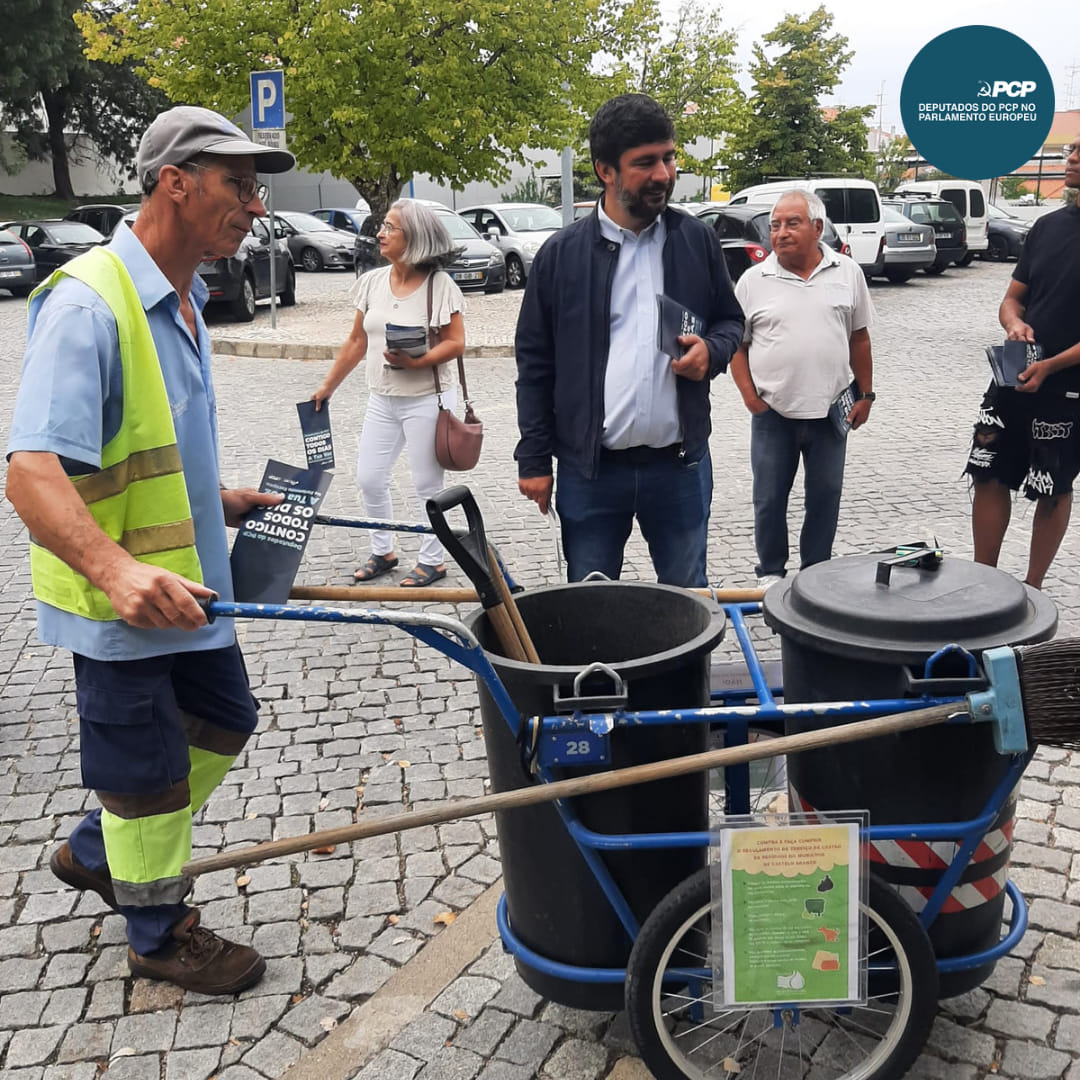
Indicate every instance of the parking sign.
{"type": "Point", "coordinates": [268, 100]}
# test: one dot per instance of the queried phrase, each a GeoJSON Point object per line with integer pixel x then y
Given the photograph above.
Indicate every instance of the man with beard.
{"type": "Point", "coordinates": [1029, 438]}
{"type": "Point", "coordinates": [628, 424]}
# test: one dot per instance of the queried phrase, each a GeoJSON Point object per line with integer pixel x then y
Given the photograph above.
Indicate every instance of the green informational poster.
{"type": "Point", "coordinates": [790, 920]}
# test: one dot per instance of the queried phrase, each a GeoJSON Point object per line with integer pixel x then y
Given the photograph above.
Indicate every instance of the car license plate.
{"type": "Point", "coordinates": [908, 237]}
{"type": "Point", "coordinates": [468, 275]}
{"type": "Point", "coordinates": [10, 273]}
{"type": "Point", "coordinates": [945, 235]}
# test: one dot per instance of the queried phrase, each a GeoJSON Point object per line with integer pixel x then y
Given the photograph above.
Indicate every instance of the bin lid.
{"type": "Point", "coordinates": [842, 607]}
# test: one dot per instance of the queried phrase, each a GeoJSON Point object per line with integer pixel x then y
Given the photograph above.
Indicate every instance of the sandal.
{"type": "Point", "coordinates": [422, 574]}
{"type": "Point", "coordinates": [375, 567]}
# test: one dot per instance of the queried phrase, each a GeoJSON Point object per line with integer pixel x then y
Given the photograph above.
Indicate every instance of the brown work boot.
{"type": "Point", "coordinates": [71, 872]}
{"type": "Point", "coordinates": [197, 959]}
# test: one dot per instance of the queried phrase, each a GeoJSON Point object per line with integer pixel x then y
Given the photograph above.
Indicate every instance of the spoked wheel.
{"type": "Point", "coordinates": [683, 1035]}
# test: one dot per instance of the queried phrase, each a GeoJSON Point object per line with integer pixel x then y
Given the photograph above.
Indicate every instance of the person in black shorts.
{"type": "Point", "coordinates": [1028, 439]}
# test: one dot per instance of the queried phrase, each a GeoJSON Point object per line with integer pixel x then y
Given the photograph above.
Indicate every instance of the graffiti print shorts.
{"type": "Point", "coordinates": [1028, 442]}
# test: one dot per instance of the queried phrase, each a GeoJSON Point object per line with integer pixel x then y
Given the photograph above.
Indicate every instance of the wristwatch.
{"type": "Point", "coordinates": [868, 396]}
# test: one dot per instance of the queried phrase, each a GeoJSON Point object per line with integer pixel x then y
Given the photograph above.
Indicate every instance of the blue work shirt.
{"type": "Point", "coordinates": [70, 403]}
{"type": "Point", "coordinates": [640, 403]}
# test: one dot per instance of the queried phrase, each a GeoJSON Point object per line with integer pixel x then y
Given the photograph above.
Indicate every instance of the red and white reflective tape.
{"type": "Point", "coordinates": [938, 854]}
{"type": "Point", "coordinates": [962, 898]}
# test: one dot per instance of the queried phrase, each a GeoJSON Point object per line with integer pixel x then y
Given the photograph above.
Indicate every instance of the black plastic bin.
{"type": "Point", "coordinates": [658, 639]}
{"type": "Point", "coordinates": [845, 635]}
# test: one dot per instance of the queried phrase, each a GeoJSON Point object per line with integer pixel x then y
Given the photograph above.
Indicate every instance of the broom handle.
{"type": "Point", "coordinates": [579, 785]}
{"type": "Point", "coordinates": [420, 594]}
{"type": "Point", "coordinates": [510, 604]}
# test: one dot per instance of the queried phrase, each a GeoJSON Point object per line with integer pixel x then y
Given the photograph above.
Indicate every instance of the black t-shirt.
{"type": "Point", "coordinates": [1049, 266]}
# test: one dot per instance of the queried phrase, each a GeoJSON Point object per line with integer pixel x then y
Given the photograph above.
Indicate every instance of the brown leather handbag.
{"type": "Point", "coordinates": [457, 441]}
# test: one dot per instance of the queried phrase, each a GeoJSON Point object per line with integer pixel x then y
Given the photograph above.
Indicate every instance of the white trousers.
{"type": "Point", "coordinates": [391, 423]}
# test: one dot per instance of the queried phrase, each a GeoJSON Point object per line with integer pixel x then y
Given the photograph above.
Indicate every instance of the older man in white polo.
{"type": "Point", "coordinates": [807, 338]}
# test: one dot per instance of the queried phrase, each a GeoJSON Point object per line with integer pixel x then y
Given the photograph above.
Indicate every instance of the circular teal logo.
{"type": "Point", "coordinates": [977, 102]}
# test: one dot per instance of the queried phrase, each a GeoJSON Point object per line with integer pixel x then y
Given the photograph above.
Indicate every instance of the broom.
{"type": "Point", "coordinates": [1047, 682]}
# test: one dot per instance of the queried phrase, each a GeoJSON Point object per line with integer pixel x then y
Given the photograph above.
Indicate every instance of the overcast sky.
{"type": "Point", "coordinates": [886, 36]}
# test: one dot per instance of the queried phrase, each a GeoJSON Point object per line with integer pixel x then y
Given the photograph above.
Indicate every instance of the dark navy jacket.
{"type": "Point", "coordinates": [563, 334]}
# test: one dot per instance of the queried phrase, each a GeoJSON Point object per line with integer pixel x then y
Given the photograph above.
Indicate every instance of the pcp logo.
{"type": "Point", "coordinates": [1015, 88]}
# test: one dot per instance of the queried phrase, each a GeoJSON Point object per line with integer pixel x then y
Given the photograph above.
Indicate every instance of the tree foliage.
{"type": "Point", "coordinates": [688, 65]}
{"type": "Point", "coordinates": [382, 90]}
{"type": "Point", "coordinates": [892, 163]}
{"type": "Point", "coordinates": [785, 131]}
{"type": "Point", "coordinates": [51, 93]}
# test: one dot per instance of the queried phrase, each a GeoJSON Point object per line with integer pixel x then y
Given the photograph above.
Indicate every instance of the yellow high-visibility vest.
{"type": "Point", "coordinates": [138, 497]}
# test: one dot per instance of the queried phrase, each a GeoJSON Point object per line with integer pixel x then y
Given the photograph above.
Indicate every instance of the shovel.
{"type": "Point", "coordinates": [474, 555]}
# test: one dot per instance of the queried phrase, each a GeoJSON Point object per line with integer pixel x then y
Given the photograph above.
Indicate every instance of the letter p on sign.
{"type": "Point", "coordinates": [267, 99]}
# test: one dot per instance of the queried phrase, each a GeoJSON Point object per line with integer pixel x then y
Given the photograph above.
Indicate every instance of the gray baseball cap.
{"type": "Point", "coordinates": [179, 134]}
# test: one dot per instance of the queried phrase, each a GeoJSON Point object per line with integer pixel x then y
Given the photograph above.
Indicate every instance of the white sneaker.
{"type": "Point", "coordinates": [768, 580]}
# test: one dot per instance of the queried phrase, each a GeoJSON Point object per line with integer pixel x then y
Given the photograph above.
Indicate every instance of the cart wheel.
{"type": "Point", "coordinates": [682, 1036]}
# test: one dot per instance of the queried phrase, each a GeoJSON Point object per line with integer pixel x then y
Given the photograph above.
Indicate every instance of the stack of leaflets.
{"type": "Point", "coordinates": [673, 321]}
{"type": "Point", "coordinates": [841, 406]}
{"type": "Point", "coordinates": [412, 340]}
{"type": "Point", "coordinates": [1008, 360]}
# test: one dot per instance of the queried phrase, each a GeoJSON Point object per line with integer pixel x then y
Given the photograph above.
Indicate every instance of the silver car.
{"type": "Point", "coordinates": [517, 230]}
{"type": "Point", "coordinates": [909, 246]}
{"type": "Point", "coordinates": [17, 270]}
{"type": "Point", "coordinates": [316, 245]}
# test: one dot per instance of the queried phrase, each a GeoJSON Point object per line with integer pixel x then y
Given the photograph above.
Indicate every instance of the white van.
{"type": "Point", "coordinates": [970, 201]}
{"type": "Point", "coordinates": [853, 205]}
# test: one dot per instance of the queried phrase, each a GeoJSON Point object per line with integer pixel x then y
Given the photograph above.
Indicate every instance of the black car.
{"type": "Point", "coordinates": [238, 281]}
{"type": "Point", "coordinates": [362, 225]}
{"type": "Point", "coordinates": [743, 232]}
{"type": "Point", "coordinates": [54, 241]}
{"type": "Point", "coordinates": [950, 232]}
{"type": "Point", "coordinates": [1005, 234]}
{"type": "Point", "coordinates": [479, 265]}
{"type": "Point", "coordinates": [17, 272]}
{"type": "Point", "coordinates": [102, 216]}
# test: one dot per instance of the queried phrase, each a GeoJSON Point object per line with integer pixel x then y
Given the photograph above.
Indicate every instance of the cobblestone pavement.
{"type": "Point", "coordinates": [358, 720]}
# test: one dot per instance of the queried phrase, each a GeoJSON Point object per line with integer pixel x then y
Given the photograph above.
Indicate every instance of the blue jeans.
{"type": "Point", "coordinates": [776, 443]}
{"type": "Point", "coordinates": [669, 498]}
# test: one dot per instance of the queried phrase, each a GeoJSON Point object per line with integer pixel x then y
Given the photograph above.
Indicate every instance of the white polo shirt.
{"type": "Point", "coordinates": [798, 332]}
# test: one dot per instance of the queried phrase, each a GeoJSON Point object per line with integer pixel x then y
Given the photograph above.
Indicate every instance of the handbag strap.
{"type": "Point", "coordinates": [433, 337]}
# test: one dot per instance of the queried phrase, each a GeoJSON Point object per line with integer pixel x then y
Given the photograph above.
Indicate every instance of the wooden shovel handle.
{"type": "Point", "coordinates": [579, 785]}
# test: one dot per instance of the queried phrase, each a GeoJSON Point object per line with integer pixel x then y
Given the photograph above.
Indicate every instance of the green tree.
{"type": "Point", "coordinates": [533, 189]}
{"type": "Point", "coordinates": [1012, 187]}
{"type": "Point", "coordinates": [688, 65]}
{"type": "Point", "coordinates": [380, 91]}
{"type": "Point", "coordinates": [892, 163]}
{"type": "Point", "coordinates": [51, 93]}
{"type": "Point", "coordinates": [784, 130]}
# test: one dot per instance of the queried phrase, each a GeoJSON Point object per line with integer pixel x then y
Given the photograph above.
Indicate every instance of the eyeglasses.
{"type": "Point", "coordinates": [388, 228]}
{"type": "Point", "coordinates": [1068, 151]}
{"type": "Point", "coordinates": [247, 187]}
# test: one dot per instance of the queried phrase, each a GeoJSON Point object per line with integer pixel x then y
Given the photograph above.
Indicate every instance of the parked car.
{"type": "Point", "coordinates": [909, 246]}
{"type": "Point", "coordinates": [743, 232]}
{"type": "Point", "coordinates": [236, 283]}
{"type": "Point", "coordinates": [950, 234]}
{"type": "Point", "coordinates": [1006, 234]}
{"type": "Point", "coordinates": [853, 206]}
{"type": "Point", "coordinates": [17, 270]}
{"type": "Point", "coordinates": [1027, 199]}
{"type": "Point", "coordinates": [517, 229]}
{"type": "Point", "coordinates": [479, 265]}
{"type": "Point", "coordinates": [581, 209]}
{"type": "Point", "coordinates": [54, 241]}
{"type": "Point", "coordinates": [102, 216]}
{"type": "Point", "coordinates": [970, 201]}
{"type": "Point", "coordinates": [362, 225]}
{"type": "Point", "coordinates": [315, 244]}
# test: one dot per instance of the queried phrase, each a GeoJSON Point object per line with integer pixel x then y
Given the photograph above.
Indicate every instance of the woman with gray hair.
{"type": "Point", "coordinates": [402, 406]}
